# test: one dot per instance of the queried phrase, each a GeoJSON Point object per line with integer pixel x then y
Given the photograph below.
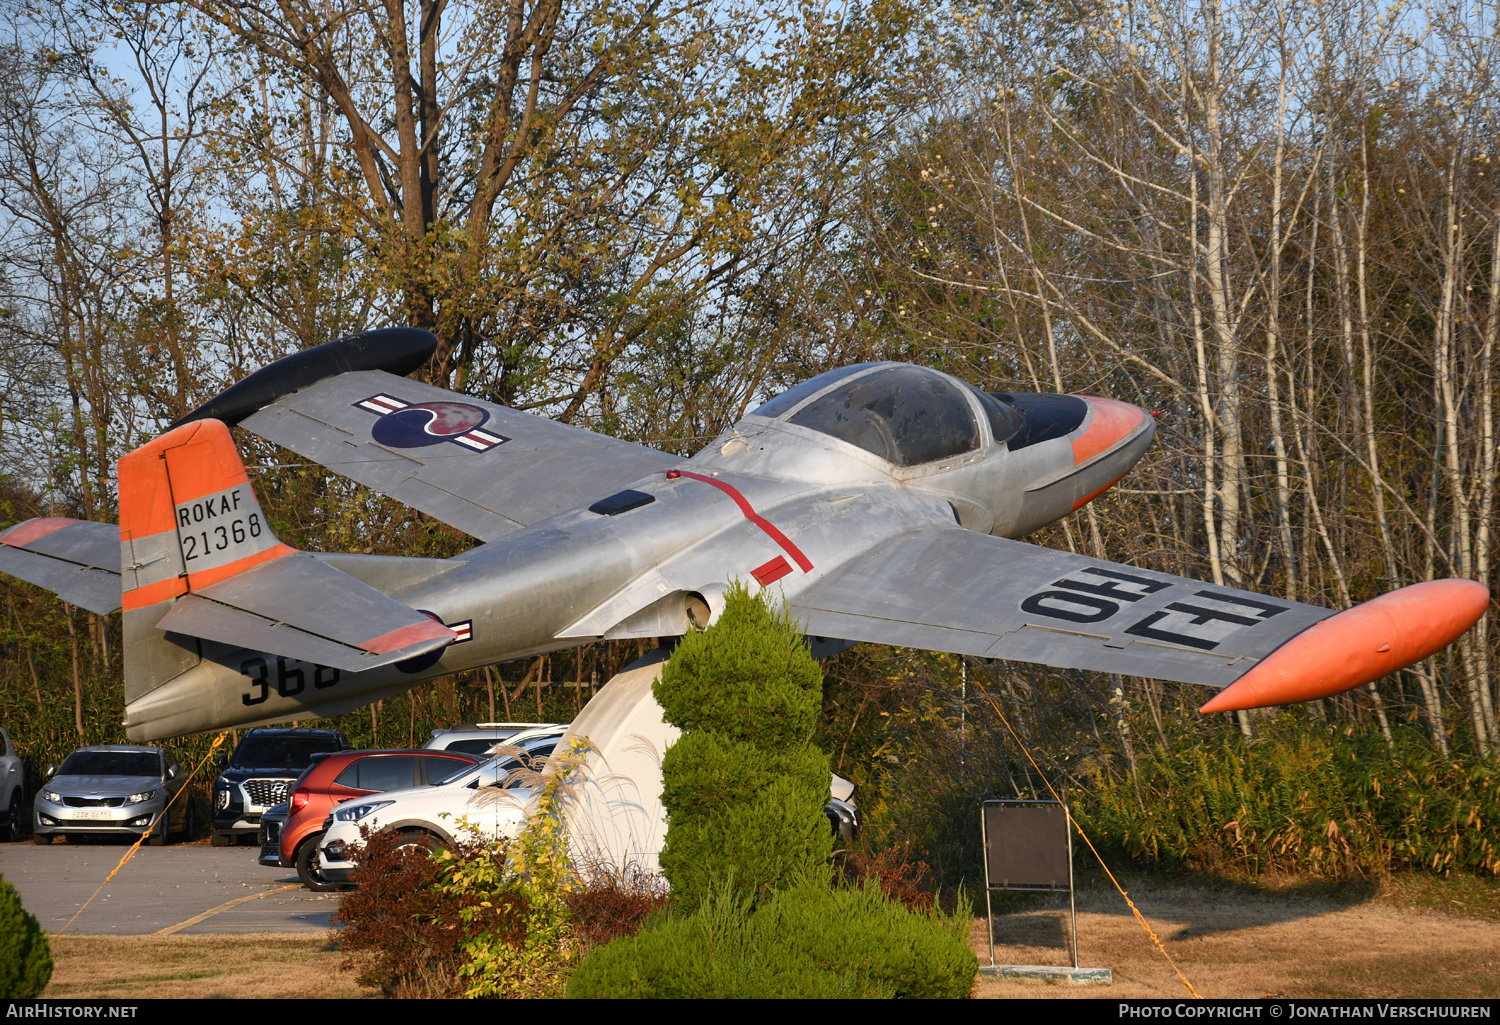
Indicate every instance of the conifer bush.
{"type": "Point", "coordinates": [755, 911]}
{"type": "Point", "coordinates": [25, 955]}
{"type": "Point", "coordinates": [744, 787]}
{"type": "Point", "coordinates": [810, 940]}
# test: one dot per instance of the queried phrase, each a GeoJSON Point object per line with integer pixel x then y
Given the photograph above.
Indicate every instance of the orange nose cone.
{"type": "Point", "coordinates": [1113, 421]}
{"type": "Point", "coordinates": [1359, 645]}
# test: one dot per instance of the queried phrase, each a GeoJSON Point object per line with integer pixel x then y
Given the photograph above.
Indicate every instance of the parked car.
{"type": "Point", "coordinates": [118, 790]}
{"type": "Point", "coordinates": [12, 789]}
{"type": "Point", "coordinates": [480, 738]}
{"type": "Point", "coordinates": [842, 812]}
{"type": "Point", "coordinates": [289, 833]}
{"type": "Point", "coordinates": [272, 822]}
{"type": "Point", "coordinates": [433, 815]}
{"type": "Point", "coordinates": [260, 775]}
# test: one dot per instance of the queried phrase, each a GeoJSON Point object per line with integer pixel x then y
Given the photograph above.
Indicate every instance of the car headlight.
{"type": "Point", "coordinates": [360, 811]}
{"type": "Point", "coordinates": [52, 795]}
{"type": "Point", "coordinates": [139, 798]}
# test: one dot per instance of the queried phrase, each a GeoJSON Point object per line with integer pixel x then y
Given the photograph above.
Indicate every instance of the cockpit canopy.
{"type": "Point", "coordinates": [906, 415]}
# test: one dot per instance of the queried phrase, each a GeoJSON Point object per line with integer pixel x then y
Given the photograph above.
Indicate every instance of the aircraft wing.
{"type": "Point", "coordinates": [484, 468]}
{"type": "Point", "coordinates": [972, 594]}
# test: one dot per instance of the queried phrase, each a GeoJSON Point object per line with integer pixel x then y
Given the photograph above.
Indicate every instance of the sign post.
{"type": "Point", "coordinates": [1028, 847]}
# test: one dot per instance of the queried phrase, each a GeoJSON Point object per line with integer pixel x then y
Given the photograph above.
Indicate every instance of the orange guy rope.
{"type": "Point", "coordinates": [1133, 909]}
{"type": "Point", "coordinates": [137, 845]}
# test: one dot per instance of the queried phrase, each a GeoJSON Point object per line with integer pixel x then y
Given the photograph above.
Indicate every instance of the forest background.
{"type": "Point", "coordinates": [1275, 225]}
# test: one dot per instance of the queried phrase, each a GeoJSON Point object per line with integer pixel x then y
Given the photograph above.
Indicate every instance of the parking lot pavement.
{"type": "Point", "coordinates": [183, 889]}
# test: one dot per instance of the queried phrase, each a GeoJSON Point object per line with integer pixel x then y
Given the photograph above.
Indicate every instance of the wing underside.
{"type": "Point", "coordinates": [484, 468]}
{"type": "Point", "coordinates": [972, 594]}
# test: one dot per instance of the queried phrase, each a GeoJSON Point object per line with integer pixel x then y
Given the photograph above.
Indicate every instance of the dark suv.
{"type": "Point", "coordinates": [260, 774]}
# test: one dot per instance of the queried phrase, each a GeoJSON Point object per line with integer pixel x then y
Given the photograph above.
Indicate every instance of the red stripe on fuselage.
{"type": "Point", "coordinates": [756, 518]}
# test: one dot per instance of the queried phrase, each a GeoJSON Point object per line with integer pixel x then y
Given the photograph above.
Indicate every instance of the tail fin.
{"type": "Point", "coordinates": [199, 560]}
{"type": "Point", "coordinates": [188, 516]}
{"type": "Point", "coordinates": [153, 566]}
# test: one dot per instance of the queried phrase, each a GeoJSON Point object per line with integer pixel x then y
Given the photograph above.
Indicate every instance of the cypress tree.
{"type": "Point", "coordinates": [744, 787]}
{"type": "Point", "coordinates": [25, 955]}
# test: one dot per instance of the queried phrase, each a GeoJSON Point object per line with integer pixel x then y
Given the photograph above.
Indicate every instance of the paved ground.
{"type": "Point", "coordinates": [182, 889]}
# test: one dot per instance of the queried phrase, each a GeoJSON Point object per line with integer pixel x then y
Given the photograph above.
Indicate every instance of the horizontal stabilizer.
{"type": "Point", "coordinates": [77, 560]}
{"type": "Point", "coordinates": [305, 609]}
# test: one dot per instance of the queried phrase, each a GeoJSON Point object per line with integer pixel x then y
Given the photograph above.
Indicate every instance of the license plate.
{"type": "Point", "coordinates": [91, 813]}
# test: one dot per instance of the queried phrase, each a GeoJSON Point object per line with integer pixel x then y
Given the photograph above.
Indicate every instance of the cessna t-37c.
{"type": "Point", "coordinates": [879, 500]}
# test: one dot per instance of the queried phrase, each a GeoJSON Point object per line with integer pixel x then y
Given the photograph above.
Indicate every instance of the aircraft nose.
{"type": "Point", "coordinates": [1111, 422]}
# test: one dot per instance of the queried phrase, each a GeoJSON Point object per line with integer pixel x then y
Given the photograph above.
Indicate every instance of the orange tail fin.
{"type": "Point", "coordinates": [188, 515]}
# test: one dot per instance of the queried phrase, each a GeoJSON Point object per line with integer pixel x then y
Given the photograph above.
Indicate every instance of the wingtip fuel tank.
{"type": "Point", "coordinates": [1359, 645]}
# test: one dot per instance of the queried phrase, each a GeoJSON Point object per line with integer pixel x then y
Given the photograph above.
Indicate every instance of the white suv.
{"type": "Point", "coordinates": [477, 738]}
{"type": "Point", "coordinates": [491, 798]}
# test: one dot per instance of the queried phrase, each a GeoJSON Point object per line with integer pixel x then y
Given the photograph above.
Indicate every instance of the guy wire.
{"type": "Point", "coordinates": [165, 822]}
{"type": "Point", "coordinates": [977, 677]}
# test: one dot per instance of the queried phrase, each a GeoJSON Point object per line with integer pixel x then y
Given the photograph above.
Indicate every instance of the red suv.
{"type": "Point", "coordinates": [339, 777]}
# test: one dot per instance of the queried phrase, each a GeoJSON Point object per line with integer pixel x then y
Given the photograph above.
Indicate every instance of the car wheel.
{"type": "Point", "coordinates": [161, 833]}
{"type": "Point", "coordinates": [13, 829]}
{"type": "Point", "coordinates": [41, 839]}
{"type": "Point", "coordinates": [221, 839]}
{"type": "Point", "coordinates": [415, 839]}
{"type": "Point", "coordinates": [307, 866]}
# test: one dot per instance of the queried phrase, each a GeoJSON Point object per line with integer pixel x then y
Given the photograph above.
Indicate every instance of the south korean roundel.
{"type": "Point", "coordinates": [428, 423]}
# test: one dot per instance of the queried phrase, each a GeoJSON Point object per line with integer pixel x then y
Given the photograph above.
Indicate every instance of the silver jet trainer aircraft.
{"type": "Point", "coordinates": [878, 499]}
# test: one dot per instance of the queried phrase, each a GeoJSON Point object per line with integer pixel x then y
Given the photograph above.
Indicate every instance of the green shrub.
{"type": "Point", "coordinates": [744, 787]}
{"type": "Point", "coordinates": [754, 910]}
{"type": "Point", "coordinates": [1302, 799]}
{"type": "Point", "coordinates": [809, 940]}
{"type": "Point", "coordinates": [25, 956]}
{"type": "Point", "coordinates": [748, 677]}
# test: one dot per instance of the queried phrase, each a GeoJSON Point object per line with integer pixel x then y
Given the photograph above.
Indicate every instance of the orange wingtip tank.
{"type": "Point", "coordinates": [1359, 645]}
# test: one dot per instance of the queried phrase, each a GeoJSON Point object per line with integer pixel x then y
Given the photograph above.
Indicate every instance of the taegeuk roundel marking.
{"type": "Point", "coordinates": [407, 425]}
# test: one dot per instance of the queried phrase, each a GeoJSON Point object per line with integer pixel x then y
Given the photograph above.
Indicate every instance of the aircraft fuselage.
{"type": "Point", "coordinates": [771, 503]}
